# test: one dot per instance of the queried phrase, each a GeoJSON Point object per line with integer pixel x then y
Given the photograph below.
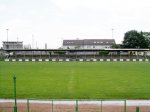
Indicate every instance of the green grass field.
{"type": "Point", "coordinates": [71, 80]}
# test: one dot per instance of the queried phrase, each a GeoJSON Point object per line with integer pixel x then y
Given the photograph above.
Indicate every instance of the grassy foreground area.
{"type": "Point", "coordinates": [85, 80]}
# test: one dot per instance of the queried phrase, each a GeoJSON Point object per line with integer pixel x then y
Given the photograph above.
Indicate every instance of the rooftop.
{"type": "Point", "coordinates": [89, 42]}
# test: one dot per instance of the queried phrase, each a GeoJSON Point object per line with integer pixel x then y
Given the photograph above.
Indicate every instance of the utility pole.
{"type": "Point", "coordinates": [17, 39]}
{"type": "Point", "coordinates": [32, 41]}
{"type": "Point", "coordinates": [36, 45]}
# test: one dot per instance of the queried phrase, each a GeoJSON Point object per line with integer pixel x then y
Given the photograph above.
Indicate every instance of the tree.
{"type": "Point", "coordinates": [147, 36]}
{"type": "Point", "coordinates": [134, 39]}
{"type": "Point", "coordinates": [103, 53]}
{"type": "Point", "coordinates": [116, 46]}
{"type": "Point", "coordinates": [59, 52]}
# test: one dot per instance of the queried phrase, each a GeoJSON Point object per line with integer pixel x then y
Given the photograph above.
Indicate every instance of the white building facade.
{"type": "Point", "coordinates": [88, 44]}
{"type": "Point", "coordinates": [12, 45]}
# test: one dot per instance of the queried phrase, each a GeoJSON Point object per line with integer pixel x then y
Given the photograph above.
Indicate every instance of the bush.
{"type": "Point", "coordinates": [103, 53]}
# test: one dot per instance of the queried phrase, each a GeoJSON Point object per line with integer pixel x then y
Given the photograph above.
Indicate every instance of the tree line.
{"type": "Point", "coordinates": [135, 39]}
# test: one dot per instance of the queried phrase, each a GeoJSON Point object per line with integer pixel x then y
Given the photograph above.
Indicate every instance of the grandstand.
{"type": "Point", "coordinates": [76, 54]}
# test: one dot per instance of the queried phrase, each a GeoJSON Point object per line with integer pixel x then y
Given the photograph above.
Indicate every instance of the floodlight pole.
{"type": "Point", "coordinates": [112, 33]}
{"type": "Point", "coordinates": [7, 34]}
{"type": "Point", "coordinates": [15, 105]}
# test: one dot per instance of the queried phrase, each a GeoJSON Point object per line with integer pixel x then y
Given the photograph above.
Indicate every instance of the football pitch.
{"type": "Point", "coordinates": [76, 80]}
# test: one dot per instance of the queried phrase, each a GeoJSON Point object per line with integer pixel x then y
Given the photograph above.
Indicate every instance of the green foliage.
{"type": "Point", "coordinates": [146, 34]}
{"type": "Point", "coordinates": [116, 46]}
{"type": "Point", "coordinates": [57, 52]}
{"type": "Point", "coordinates": [125, 80]}
{"type": "Point", "coordinates": [103, 53]}
{"type": "Point", "coordinates": [134, 39]}
{"type": "Point", "coordinates": [1, 55]}
{"type": "Point", "coordinates": [147, 37]}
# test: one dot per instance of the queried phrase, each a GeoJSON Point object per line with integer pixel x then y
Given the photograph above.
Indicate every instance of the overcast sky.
{"type": "Point", "coordinates": [51, 21]}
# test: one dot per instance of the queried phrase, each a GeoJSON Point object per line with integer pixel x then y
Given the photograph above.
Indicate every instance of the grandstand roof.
{"type": "Point", "coordinates": [9, 50]}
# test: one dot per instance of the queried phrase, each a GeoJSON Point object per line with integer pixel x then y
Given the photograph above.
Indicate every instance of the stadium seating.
{"type": "Point", "coordinates": [114, 59]}
{"type": "Point", "coordinates": [26, 60]}
{"type": "Point", "coordinates": [80, 59]}
{"type": "Point", "coordinates": [94, 59]}
{"type": "Point", "coordinates": [33, 59]}
{"type": "Point", "coordinates": [6, 59]}
{"type": "Point", "coordinates": [134, 60]}
{"type": "Point", "coordinates": [87, 59]}
{"type": "Point", "coordinates": [108, 60]}
{"type": "Point", "coordinates": [121, 59]}
{"type": "Point", "coordinates": [13, 60]}
{"type": "Point", "coordinates": [20, 60]}
{"type": "Point", "coordinates": [53, 59]}
{"type": "Point", "coordinates": [46, 60]}
{"type": "Point", "coordinates": [40, 60]}
{"type": "Point", "coordinates": [146, 60]}
{"type": "Point", "coordinates": [67, 60]}
{"type": "Point", "coordinates": [60, 60]}
{"type": "Point", "coordinates": [101, 59]}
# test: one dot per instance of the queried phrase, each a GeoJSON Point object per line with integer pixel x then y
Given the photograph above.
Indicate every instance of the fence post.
{"type": "Point", "coordinates": [137, 109]}
{"type": "Point", "coordinates": [101, 105]}
{"type": "Point", "coordinates": [124, 105]}
{"type": "Point", "coordinates": [15, 105]}
{"type": "Point", "coordinates": [28, 105]}
{"type": "Point", "coordinates": [52, 105]}
{"type": "Point", "coordinates": [76, 105]}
